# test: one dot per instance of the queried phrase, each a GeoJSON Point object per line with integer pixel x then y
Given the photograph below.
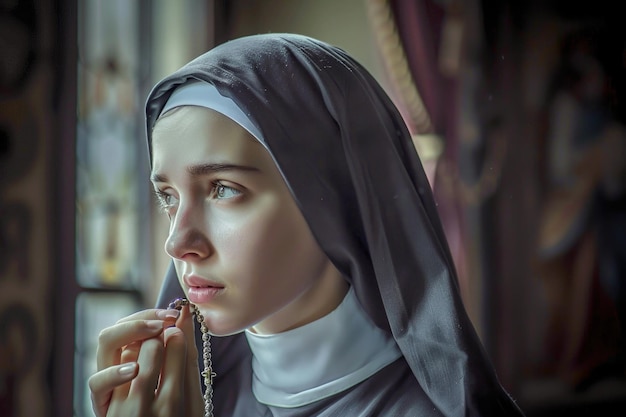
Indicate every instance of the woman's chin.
{"type": "Point", "coordinates": [220, 328]}
{"type": "Point", "coordinates": [225, 333]}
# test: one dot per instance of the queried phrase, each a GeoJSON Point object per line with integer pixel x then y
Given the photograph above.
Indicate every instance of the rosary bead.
{"type": "Point", "coordinates": [207, 373]}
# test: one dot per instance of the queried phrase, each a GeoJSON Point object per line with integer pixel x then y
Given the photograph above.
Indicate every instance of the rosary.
{"type": "Point", "coordinates": [207, 373]}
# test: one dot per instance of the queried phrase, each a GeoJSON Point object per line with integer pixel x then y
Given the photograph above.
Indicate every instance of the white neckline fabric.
{"type": "Point", "coordinates": [315, 361]}
{"type": "Point", "coordinates": [319, 359]}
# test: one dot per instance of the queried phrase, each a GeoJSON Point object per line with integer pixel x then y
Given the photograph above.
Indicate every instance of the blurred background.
{"type": "Point", "coordinates": [517, 109]}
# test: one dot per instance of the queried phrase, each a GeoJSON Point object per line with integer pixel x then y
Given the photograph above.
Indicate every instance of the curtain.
{"type": "Point", "coordinates": [420, 45]}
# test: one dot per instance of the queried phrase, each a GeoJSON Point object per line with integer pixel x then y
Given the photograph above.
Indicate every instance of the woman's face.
{"type": "Point", "coordinates": [242, 250]}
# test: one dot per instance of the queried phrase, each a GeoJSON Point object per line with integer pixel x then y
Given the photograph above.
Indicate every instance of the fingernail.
{"type": "Point", "coordinates": [171, 330]}
{"type": "Point", "coordinates": [154, 324]}
{"type": "Point", "coordinates": [127, 369]}
{"type": "Point", "coordinates": [168, 314]}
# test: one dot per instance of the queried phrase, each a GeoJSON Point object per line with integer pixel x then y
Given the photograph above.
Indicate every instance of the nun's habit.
{"type": "Point", "coordinates": [348, 159]}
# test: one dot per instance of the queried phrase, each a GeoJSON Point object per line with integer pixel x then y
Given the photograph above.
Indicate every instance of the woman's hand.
{"type": "Point", "coordinates": [147, 368]}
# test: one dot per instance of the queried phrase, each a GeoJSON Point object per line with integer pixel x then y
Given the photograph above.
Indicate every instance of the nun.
{"type": "Point", "coordinates": [310, 274]}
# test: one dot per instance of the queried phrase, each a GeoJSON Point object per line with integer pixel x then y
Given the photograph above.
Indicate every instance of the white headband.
{"type": "Point", "coordinates": [202, 94]}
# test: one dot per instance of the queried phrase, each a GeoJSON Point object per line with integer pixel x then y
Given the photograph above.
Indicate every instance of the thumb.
{"type": "Point", "coordinates": [188, 323]}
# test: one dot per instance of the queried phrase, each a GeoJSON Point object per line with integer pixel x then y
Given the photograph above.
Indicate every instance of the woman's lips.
{"type": "Point", "coordinates": [200, 290]}
{"type": "Point", "coordinates": [202, 295]}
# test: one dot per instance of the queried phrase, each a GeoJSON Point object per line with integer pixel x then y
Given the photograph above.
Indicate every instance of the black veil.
{"type": "Point", "coordinates": [348, 159]}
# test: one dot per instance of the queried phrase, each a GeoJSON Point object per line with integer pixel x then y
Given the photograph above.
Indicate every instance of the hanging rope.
{"type": "Point", "coordinates": [429, 145]}
{"type": "Point", "coordinates": [390, 46]}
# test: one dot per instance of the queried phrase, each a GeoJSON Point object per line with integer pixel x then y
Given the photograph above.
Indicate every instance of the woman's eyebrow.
{"type": "Point", "coordinates": [206, 169]}
{"type": "Point", "coordinates": [210, 168]}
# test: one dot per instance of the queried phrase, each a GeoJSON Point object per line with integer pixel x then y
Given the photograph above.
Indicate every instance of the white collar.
{"type": "Point", "coordinates": [319, 359]}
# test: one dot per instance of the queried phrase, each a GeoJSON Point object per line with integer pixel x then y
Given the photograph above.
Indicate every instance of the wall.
{"type": "Point", "coordinates": [343, 23]}
{"type": "Point", "coordinates": [27, 36]}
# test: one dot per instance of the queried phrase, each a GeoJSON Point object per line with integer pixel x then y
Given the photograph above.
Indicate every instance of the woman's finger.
{"type": "Point", "coordinates": [130, 353]}
{"type": "Point", "coordinates": [103, 383]}
{"type": "Point", "coordinates": [139, 399]}
{"type": "Point", "coordinates": [172, 389]}
{"type": "Point", "coordinates": [180, 390]}
{"type": "Point", "coordinates": [152, 314]}
{"type": "Point", "coordinates": [135, 343]}
{"type": "Point", "coordinates": [150, 362]}
{"type": "Point", "coordinates": [113, 339]}
{"type": "Point", "coordinates": [138, 326]}
{"type": "Point", "coordinates": [193, 390]}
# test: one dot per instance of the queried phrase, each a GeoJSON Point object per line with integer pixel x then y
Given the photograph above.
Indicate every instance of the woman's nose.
{"type": "Point", "coordinates": [188, 238]}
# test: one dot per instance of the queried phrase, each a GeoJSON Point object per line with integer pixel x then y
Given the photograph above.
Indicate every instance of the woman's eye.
{"type": "Point", "coordinates": [166, 201]}
{"type": "Point", "coordinates": [224, 192]}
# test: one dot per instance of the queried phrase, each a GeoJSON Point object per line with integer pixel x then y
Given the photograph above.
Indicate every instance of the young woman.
{"type": "Point", "coordinates": [305, 237]}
